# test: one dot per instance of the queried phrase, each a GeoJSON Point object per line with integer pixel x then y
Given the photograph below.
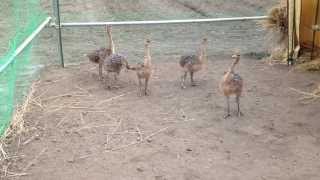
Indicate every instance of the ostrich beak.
{"type": "Point", "coordinates": [235, 55]}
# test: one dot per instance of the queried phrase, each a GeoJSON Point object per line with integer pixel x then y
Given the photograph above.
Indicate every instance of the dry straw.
{"type": "Point", "coordinates": [277, 21]}
{"type": "Point", "coordinates": [308, 96]}
{"type": "Point", "coordinates": [309, 65]}
{"type": "Point", "coordinates": [17, 124]}
{"type": "Point", "coordinates": [277, 26]}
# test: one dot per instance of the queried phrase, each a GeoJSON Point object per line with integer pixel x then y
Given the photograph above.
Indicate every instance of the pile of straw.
{"type": "Point", "coordinates": [307, 96]}
{"type": "Point", "coordinates": [313, 65]}
{"type": "Point", "coordinates": [277, 21]}
{"type": "Point", "coordinates": [17, 124]}
{"type": "Point", "coordinates": [277, 27]}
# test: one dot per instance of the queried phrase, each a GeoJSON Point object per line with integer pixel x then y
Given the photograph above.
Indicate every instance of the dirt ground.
{"type": "Point", "coordinates": [79, 130]}
{"type": "Point", "coordinates": [76, 129]}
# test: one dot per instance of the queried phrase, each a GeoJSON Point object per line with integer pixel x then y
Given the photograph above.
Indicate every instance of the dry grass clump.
{"type": "Point", "coordinates": [306, 64]}
{"type": "Point", "coordinates": [313, 65]}
{"type": "Point", "coordinates": [17, 124]}
{"type": "Point", "coordinates": [279, 53]}
{"type": "Point", "coordinates": [309, 96]}
{"type": "Point", "coordinates": [277, 21]}
{"type": "Point", "coordinates": [277, 27]}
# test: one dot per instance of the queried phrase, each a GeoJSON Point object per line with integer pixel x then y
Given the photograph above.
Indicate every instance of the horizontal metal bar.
{"type": "Point", "coordinates": [24, 44]}
{"type": "Point", "coordinates": [118, 23]}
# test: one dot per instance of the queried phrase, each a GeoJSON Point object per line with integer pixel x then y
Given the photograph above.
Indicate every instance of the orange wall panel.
{"type": "Point", "coordinates": [308, 13]}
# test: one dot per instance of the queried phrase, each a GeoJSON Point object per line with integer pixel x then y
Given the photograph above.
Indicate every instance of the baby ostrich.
{"type": "Point", "coordinates": [193, 63]}
{"type": "Point", "coordinates": [232, 84]}
{"type": "Point", "coordinates": [144, 69]}
{"type": "Point", "coordinates": [113, 63]}
{"type": "Point", "coordinates": [99, 55]}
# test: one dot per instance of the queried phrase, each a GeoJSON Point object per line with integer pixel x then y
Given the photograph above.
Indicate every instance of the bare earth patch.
{"type": "Point", "coordinates": [79, 130]}
{"type": "Point", "coordinates": [75, 129]}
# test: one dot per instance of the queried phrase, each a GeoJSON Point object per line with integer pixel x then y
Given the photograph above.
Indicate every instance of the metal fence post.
{"type": "Point", "coordinates": [56, 12]}
{"type": "Point", "coordinates": [314, 31]}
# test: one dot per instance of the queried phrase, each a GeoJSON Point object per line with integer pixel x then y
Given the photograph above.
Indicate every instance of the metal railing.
{"type": "Point", "coordinates": [59, 25]}
{"type": "Point", "coordinates": [24, 44]}
{"type": "Point", "coordinates": [181, 21]}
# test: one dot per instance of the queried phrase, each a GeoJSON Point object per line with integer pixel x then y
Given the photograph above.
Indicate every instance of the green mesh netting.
{"type": "Point", "coordinates": [21, 18]}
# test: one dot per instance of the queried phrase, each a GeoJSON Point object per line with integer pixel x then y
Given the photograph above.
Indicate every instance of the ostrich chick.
{"type": "Point", "coordinates": [232, 84]}
{"type": "Point", "coordinates": [112, 63]}
{"type": "Point", "coordinates": [98, 56]}
{"type": "Point", "coordinates": [144, 70]}
{"type": "Point", "coordinates": [193, 63]}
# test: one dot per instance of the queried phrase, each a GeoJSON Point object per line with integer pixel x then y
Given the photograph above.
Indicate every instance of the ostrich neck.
{"type": "Point", "coordinates": [235, 62]}
{"type": "Point", "coordinates": [111, 43]}
{"type": "Point", "coordinates": [203, 53]}
{"type": "Point", "coordinates": [147, 56]}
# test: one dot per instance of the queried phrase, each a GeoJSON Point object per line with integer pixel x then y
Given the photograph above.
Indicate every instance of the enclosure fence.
{"type": "Point", "coordinates": [27, 19]}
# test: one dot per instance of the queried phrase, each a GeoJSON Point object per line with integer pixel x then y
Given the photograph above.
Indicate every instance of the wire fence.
{"type": "Point", "coordinates": [15, 65]}
{"type": "Point", "coordinates": [169, 41]}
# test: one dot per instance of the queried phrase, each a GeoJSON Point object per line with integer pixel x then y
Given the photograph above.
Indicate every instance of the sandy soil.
{"type": "Point", "coordinates": [86, 135]}
{"type": "Point", "coordinates": [76, 129]}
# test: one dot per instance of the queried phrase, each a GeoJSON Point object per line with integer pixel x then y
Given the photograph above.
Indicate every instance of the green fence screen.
{"type": "Point", "coordinates": [19, 19]}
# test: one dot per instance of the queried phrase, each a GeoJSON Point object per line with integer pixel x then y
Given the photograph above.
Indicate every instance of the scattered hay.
{"type": "Point", "coordinates": [307, 96]}
{"type": "Point", "coordinates": [147, 138]}
{"type": "Point", "coordinates": [7, 174]}
{"type": "Point", "coordinates": [112, 98]}
{"type": "Point", "coordinates": [35, 159]}
{"type": "Point", "coordinates": [93, 126]}
{"type": "Point", "coordinates": [278, 54]}
{"type": "Point", "coordinates": [317, 91]}
{"type": "Point", "coordinates": [17, 124]}
{"type": "Point", "coordinates": [313, 65]}
{"type": "Point", "coordinates": [15, 129]}
{"type": "Point", "coordinates": [113, 133]}
{"type": "Point", "coordinates": [3, 152]}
